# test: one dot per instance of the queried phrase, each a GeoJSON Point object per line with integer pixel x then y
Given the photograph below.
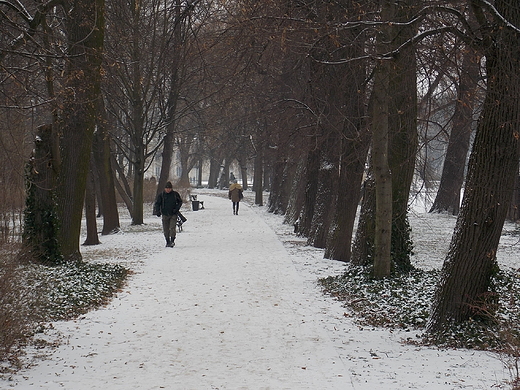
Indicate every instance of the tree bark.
{"type": "Point", "coordinates": [138, 190]}
{"type": "Point", "coordinates": [363, 247]}
{"type": "Point", "coordinates": [492, 170]}
{"type": "Point", "coordinates": [354, 144]}
{"type": "Point", "coordinates": [328, 176]}
{"type": "Point", "coordinates": [382, 175]}
{"type": "Point", "coordinates": [403, 138]}
{"type": "Point", "coordinates": [101, 153]}
{"type": "Point", "coordinates": [259, 174]}
{"type": "Point", "coordinates": [85, 27]}
{"type": "Point", "coordinates": [90, 210]}
{"type": "Point", "coordinates": [311, 188]}
{"type": "Point", "coordinates": [41, 224]}
{"type": "Point", "coordinates": [214, 169]}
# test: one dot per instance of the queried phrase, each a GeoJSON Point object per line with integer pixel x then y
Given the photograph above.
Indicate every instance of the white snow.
{"type": "Point", "coordinates": [235, 305]}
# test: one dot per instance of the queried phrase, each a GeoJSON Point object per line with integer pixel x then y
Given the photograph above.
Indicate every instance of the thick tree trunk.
{"type": "Point", "coordinates": [403, 140]}
{"type": "Point", "coordinates": [283, 177]}
{"type": "Point", "coordinates": [448, 195]}
{"type": "Point", "coordinates": [41, 224]}
{"type": "Point", "coordinates": [363, 247]}
{"type": "Point", "coordinates": [184, 179]}
{"type": "Point", "coordinates": [349, 193]}
{"type": "Point", "coordinates": [274, 202]}
{"type": "Point", "coordinates": [382, 176]}
{"type": "Point", "coordinates": [354, 144]}
{"type": "Point", "coordinates": [245, 179]}
{"type": "Point", "coordinates": [85, 27]}
{"type": "Point", "coordinates": [311, 189]}
{"type": "Point", "coordinates": [492, 171]}
{"type": "Point", "coordinates": [327, 185]}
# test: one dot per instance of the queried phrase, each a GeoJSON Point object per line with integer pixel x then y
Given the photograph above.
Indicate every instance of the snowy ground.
{"type": "Point", "coordinates": [235, 305]}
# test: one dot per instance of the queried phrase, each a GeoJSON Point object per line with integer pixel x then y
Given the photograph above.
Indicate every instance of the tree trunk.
{"type": "Point", "coordinates": [327, 183]}
{"type": "Point", "coordinates": [138, 192]}
{"type": "Point", "coordinates": [199, 173]}
{"type": "Point", "coordinates": [403, 138]}
{"type": "Point", "coordinates": [311, 189]}
{"type": "Point", "coordinates": [41, 224]}
{"type": "Point", "coordinates": [349, 193]}
{"type": "Point", "coordinates": [101, 149]}
{"type": "Point", "coordinates": [492, 170]}
{"type": "Point", "coordinates": [124, 195]}
{"type": "Point", "coordinates": [184, 179]}
{"type": "Point", "coordinates": [259, 174]}
{"type": "Point", "coordinates": [448, 195]}
{"type": "Point", "coordinates": [354, 144]}
{"type": "Point", "coordinates": [214, 169]}
{"type": "Point", "coordinates": [363, 247]}
{"type": "Point", "coordinates": [382, 176]}
{"type": "Point", "coordinates": [295, 191]}
{"type": "Point", "coordinates": [224, 175]}
{"type": "Point", "coordinates": [90, 210]}
{"type": "Point", "coordinates": [243, 171]}
{"type": "Point", "coordinates": [278, 196]}
{"type": "Point", "coordinates": [85, 27]}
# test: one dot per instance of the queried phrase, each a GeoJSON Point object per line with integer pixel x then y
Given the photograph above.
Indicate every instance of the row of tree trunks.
{"type": "Point", "coordinates": [492, 171]}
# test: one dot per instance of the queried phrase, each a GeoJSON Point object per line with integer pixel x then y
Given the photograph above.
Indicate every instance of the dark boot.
{"type": "Point", "coordinates": [172, 242]}
{"type": "Point", "coordinates": [168, 242]}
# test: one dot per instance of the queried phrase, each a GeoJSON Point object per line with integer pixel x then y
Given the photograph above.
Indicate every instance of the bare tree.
{"type": "Point", "coordinates": [85, 33]}
{"type": "Point", "coordinates": [492, 170]}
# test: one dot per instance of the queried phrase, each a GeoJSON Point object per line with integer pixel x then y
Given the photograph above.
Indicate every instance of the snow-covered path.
{"type": "Point", "coordinates": [223, 309]}
{"type": "Point", "coordinates": [236, 306]}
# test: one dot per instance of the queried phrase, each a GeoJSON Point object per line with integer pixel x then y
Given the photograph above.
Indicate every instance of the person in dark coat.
{"type": "Point", "coordinates": [236, 195]}
{"type": "Point", "coordinates": [167, 206]}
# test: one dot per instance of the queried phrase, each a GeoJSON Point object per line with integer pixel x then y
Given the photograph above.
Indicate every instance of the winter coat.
{"type": "Point", "coordinates": [167, 203]}
{"type": "Point", "coordinates": [235, 192]}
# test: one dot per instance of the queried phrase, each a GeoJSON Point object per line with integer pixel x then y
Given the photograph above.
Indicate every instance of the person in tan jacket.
{"type": "Point", "coordinates": [236, 195]}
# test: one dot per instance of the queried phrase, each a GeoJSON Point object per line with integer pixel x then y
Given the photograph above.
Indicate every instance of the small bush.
{"type": "Point", "coordinates": [16, 319]}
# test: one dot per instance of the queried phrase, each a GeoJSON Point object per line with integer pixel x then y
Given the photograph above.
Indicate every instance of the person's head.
{"type": "Point", "coordinates": [168, 187]}
{"type": "Point", "coordinates": [235, 181]}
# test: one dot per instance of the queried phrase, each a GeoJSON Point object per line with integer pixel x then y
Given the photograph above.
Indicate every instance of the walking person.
{"type": "Point", "coordinates": [167, 206]}
{"type": "Point", "coordinates": [236, 195]}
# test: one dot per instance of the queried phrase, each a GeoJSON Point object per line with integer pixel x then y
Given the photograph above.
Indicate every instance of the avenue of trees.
{"type": "Point", "coordinates": [326, 104]}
